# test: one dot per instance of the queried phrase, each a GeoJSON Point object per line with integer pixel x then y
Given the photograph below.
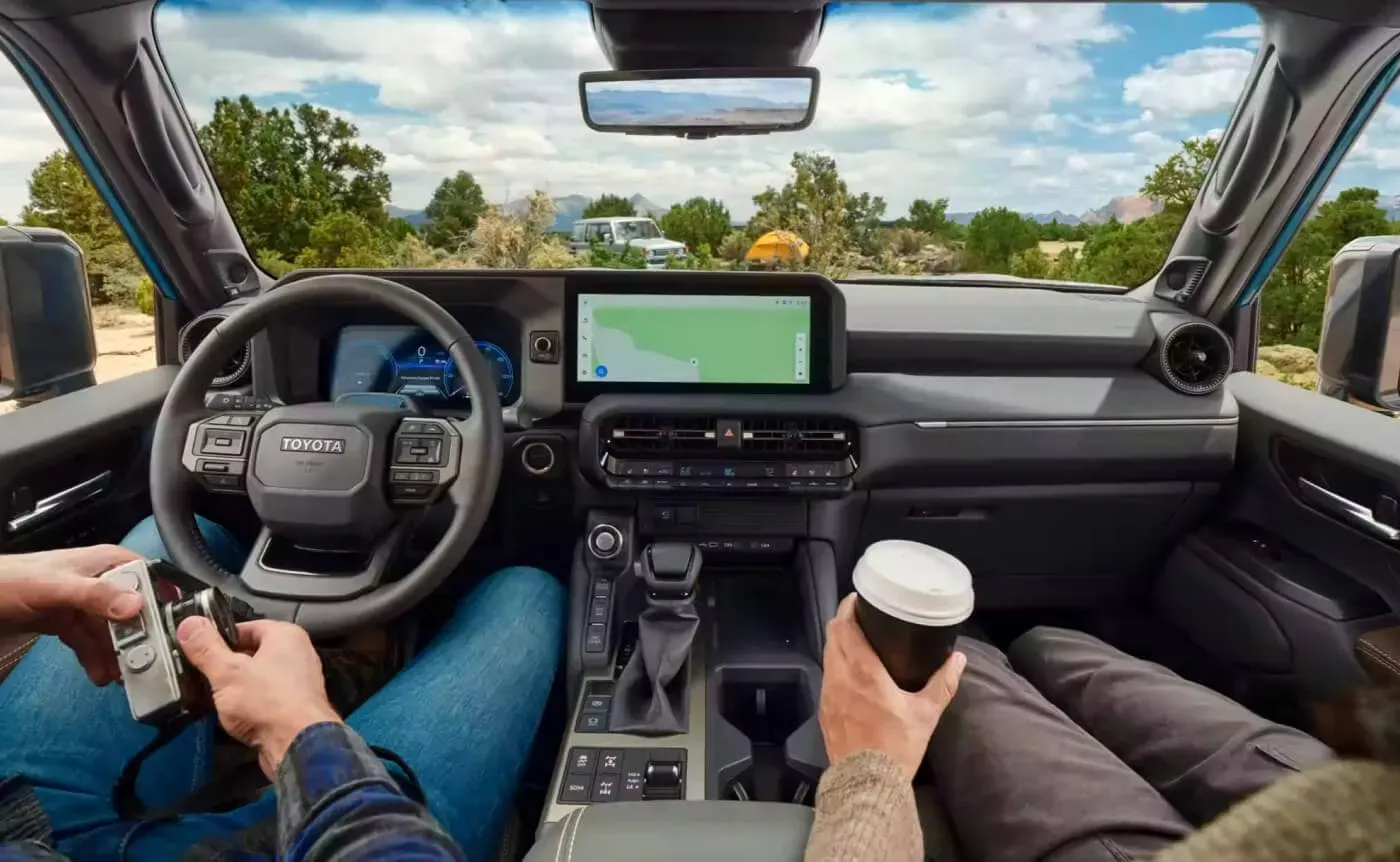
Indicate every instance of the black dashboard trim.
{"type": "Point", "coordinates": [1123, 426]}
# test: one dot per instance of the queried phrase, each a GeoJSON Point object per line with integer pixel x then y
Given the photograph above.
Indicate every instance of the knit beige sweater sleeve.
{"type": "Point", "coordinates": [865, 810]}
{"type": "Point", "coordinates": [1347, 811]}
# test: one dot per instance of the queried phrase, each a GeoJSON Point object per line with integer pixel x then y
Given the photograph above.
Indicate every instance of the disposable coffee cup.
{"type": "Point", "coordinates": [911, 600]}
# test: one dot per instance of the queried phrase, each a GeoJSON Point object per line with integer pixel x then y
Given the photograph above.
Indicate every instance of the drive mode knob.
{"type": "Point", "coordinates": [605, 541]}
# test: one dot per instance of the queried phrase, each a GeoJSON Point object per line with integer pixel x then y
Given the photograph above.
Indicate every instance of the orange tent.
{"type": "Point", "coordinates": [780, 246]}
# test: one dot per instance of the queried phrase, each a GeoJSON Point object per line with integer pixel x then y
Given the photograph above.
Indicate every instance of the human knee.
{"type": "Point", "coordinates": [521, 596]}
{"type": "Point", "coordinates": [1045, 653]}
{"type": "Point", "coordinates": [145, 539]}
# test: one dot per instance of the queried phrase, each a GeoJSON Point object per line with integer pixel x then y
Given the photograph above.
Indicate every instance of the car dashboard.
{"type": "Point", "coordinates": [1050, 439]}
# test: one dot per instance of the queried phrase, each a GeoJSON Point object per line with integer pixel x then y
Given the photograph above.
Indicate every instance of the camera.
{"type": "Point", "coordinates": [160, 684]}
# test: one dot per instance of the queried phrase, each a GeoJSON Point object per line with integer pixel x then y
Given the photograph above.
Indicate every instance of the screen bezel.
{"type": "Point", "coordinates": [819, 352]}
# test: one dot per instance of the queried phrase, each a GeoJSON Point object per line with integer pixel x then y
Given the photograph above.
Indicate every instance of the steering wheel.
{"type": "Point", "coordinates": [343, 478]}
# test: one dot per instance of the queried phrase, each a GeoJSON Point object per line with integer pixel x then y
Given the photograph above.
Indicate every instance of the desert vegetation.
{"type": "Point", "coordinates": [306, 191]}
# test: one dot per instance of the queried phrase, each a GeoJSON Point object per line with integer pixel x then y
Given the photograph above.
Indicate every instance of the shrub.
{"type": "Point", "coordinates": [146, 295]}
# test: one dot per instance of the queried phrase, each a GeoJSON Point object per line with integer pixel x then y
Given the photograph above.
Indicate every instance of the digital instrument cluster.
{"type": "Point", "coordinates": [405, 360]}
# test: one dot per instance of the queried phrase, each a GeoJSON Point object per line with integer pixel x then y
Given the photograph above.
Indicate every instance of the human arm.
{"type": "Point", "coordinates": [58, 593]}
{"type": "Point", "coordinates": [336, 801]}
{"type": "Point", "coordinates": [876, 735]}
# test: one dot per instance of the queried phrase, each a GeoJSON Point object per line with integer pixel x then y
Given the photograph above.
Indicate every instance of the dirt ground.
{"type": "Point", "coordinates": [126, 343]}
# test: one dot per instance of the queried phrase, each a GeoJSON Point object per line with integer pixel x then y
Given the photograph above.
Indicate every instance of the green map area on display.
{"type": "Point", "coordinates": [654, 338]}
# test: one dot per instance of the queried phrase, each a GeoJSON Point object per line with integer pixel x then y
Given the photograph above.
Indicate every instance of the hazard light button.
{"type": "Point", "coordinates": [729, 433]}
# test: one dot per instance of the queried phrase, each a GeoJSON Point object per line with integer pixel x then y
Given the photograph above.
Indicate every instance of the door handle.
{"type": "Point", "coordinates": [57, 504]}
{"type": "Point", "coordinates": [1348, 510]}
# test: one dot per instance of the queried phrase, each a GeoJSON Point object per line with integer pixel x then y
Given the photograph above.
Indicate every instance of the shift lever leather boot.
{"type": "Point", "coordinates": [651, 697]}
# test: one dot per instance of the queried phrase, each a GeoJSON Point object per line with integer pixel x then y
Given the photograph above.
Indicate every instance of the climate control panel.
{"type": "Point", "coordinates": [764, 454]}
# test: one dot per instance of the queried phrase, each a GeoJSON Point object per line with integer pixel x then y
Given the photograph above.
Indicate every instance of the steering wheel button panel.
{"type": "Point", "coordinates": [220, 441]}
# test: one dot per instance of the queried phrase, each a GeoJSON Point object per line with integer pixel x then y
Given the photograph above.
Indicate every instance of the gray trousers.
{"type": "Point", "coordinates": [1069, 750]}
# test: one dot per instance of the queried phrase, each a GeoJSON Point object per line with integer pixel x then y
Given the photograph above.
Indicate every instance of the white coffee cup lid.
{"type": "Point", "coordinates": [914, 582]}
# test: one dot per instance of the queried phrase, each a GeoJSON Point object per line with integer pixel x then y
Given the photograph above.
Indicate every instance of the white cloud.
{"type": "Point", "coordinates": [26, 137]}
{"type": "Point", "coordinates": [1199, 81]}
{"type": "Point", "coordinates": [1244, 31]}
{"type": "Point", "coordinates": [974, 107]}
{"type": "Point", "coordinates": [1185, 8]}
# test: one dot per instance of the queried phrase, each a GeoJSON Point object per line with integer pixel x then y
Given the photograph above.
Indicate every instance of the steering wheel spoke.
{"type": "Point", "coordinates": [217, 448]}
{"type": "Point", "coordinates": [340, 573]}
{"type": "Point", "coordinates": [426, 459]}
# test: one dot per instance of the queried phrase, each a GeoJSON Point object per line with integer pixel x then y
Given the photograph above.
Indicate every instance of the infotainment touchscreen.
{"type": "Point", "coordinates": [725, 340]}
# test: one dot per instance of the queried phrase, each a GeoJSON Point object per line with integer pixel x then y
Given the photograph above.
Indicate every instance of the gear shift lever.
{"type": "Point", "coordinates": [650, 698]}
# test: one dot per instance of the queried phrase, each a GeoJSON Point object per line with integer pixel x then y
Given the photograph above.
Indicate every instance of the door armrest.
{"type": "Point", "coordinates": [1379, 653]}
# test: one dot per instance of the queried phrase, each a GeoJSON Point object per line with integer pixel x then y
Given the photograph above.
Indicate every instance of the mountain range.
{"type": "Point", "coordinates": [1125, 208]}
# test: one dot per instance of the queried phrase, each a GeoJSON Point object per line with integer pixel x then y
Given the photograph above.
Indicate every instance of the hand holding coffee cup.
{"type": "Point", "coordinates": [862, 709]}
{"type": "Point", "coordinates": [911, 600]}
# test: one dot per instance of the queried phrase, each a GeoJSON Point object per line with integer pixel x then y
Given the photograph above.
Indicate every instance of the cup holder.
{"type": "Point", "coordinates": [767, 707]}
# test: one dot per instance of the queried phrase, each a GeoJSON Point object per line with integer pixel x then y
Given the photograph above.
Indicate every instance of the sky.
{"type": "Point", "coordinates": [1035, 107]}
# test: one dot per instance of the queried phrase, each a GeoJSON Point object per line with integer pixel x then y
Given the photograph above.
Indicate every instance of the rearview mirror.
{"type": "Point", "coordinates": [46, 336]}
{"type": "Point", "coordinates": [700, 103]}
{"type": "Point", "coordinates": [1358, 359]}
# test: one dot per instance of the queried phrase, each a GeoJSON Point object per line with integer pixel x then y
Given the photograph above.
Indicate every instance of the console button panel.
{"type": "Point", "coordinates": [597, 703]}
{"type": "Point", "coordinates": [597, 775]}
{"type": "Point", "coordinates": [787, 476]}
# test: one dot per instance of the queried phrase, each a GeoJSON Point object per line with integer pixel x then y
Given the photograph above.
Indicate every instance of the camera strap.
{"type": "Point", "coordinates": [225, 792]}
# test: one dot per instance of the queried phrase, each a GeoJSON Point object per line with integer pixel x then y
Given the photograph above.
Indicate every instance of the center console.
{"type": "Point", "coordinates": [699, 599]}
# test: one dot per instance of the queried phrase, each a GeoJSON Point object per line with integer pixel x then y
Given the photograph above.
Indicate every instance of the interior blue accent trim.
{"type": "Point", "coordinates": [69, 133]}
{"type": "Point", "coordinates": [1355, 124]}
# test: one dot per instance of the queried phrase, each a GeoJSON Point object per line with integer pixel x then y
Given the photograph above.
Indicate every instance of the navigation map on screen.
{"type": "Point", "coordinates": [688, 338]}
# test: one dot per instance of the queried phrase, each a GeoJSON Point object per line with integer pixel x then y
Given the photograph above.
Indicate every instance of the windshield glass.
{"type": "Point", "coordinates": [1046, 141]}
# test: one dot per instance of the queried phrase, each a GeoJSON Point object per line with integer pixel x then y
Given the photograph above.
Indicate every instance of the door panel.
{"type": "Point", "coordinates": [74, 470]}
{"type": "Point", "coordinates": [1295, 564]}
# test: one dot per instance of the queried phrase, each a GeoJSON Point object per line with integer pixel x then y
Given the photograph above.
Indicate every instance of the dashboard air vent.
{"type": "Point", "coordinates": [1194, 358]}
{"type": "Point", "coordinates": [238, 366]}
{"type": "Point", "coordinates": [642, 435]}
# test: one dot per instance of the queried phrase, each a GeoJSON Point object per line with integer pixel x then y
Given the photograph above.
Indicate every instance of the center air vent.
{"type": "Point", "coordinates": [235, 369]}
{"type": "Point", "coordinates": [653, 436]}
{"type": "Point", "coordinates": [1194, 357]}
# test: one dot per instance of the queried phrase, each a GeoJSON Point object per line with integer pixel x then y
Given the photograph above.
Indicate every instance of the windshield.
{"type": "Point", "coordinates": [1045, 141]}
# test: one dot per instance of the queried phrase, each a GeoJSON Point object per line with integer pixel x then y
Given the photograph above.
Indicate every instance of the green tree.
{"type": "Point", "coordinates": [817, 206]}
{"type": "Point", "coordinates": [1295, 296]}
{"type": "Point", "coordinates": [931, 217]}
{"type": "Point", "coordinates": [1030, 263]}
{"type": "Point", "coordinates": [282, 171]}
{"type": "Point", "coordinates": [61, 196]}
{"type": "Point", "coordinates": [1127, 254]}
{"type": "Point", "coordinates": [344, 240]}
{"type": "Point", "coordinates": [1175, 182]}
{"type": "Point", "coordinates": [995, 235]}
{"type": "Point", "coordinates": [699, 221]}
{"type": "Point", "coordinates": [453, 212]}
{"type": "Point", "coordinates": [609, 205]}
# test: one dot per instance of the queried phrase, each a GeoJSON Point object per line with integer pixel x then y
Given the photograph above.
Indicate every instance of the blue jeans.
{"type": "Point", "coordinates": [463, 715]}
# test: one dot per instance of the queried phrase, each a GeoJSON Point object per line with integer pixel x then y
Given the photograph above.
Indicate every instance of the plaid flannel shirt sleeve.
{"type": "Point", "coordinates": [337, 802]}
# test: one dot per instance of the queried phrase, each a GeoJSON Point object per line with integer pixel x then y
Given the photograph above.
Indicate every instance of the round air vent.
{"type": "Point", "coordinates": [235, 369]}
{"type": "Point", "coordinates": [1195, 358]}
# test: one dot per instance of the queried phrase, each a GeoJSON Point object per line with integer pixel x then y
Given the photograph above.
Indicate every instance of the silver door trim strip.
{"type": "Point", "coordinates": [935, 424]}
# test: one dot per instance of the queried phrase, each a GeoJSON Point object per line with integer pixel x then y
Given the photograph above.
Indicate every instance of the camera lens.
{"type": "Point", "coordinates": [210, 603]}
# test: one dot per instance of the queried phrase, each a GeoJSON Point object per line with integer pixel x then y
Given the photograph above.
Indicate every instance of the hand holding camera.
{"type": "Point", "coordinates": [59, 593]}
{"type": "Point", "coordinates": [264, 676]}
{"type": "Point", "coordinates": [268, 691]}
